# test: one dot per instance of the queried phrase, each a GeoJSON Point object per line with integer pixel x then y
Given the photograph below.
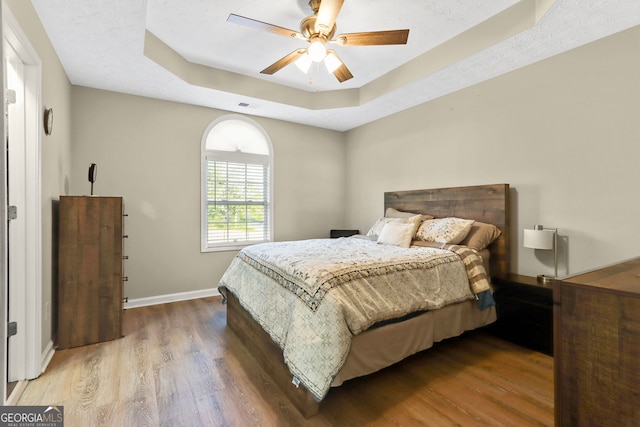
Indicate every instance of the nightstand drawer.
{"type": "Point", "coordinates": [522, 311]}
{"type": "Point", "coordinates": [526, 295]}
{"type": "Point", "coordinates": [525, 312]}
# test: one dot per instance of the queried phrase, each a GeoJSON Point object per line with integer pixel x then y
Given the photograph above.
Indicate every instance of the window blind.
{"type": "Point", "coordinates": [237, 198]}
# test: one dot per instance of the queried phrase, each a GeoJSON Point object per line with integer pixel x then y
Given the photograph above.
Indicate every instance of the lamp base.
{"type": "Point", "coordinates": [544, 280]}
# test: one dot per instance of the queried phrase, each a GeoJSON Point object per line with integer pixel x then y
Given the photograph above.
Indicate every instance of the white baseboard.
{"type": "Point", "coordinates": [46, 356]}
{"type": "Point", "coordinates": [16, 394]}
{"type": "Point", "coordinates": [163, 299]}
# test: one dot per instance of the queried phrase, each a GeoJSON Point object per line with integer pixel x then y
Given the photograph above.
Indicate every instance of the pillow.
{"type": "Point", "coordinates": [397, 234]}
{"type": "Point", "coordinates": [481, 235]}
{"type": "Point", "coordinates": [444, 230]}
{"type": "Point", "coordinates": [376, 228]}
{"type": "Point", "coordinates": [394, 213]}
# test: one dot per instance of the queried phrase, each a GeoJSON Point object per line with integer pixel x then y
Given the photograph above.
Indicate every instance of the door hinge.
{"type": "Point", "coordinates": [12, 329]}
{"type": "Point", "coordinates": [10, 97]}
{"type": "Point", "coordinates": [12, 212]}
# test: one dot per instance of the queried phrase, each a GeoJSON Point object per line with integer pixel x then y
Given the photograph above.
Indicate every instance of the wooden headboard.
{"type": "Point", "coordinates": [485, 203]}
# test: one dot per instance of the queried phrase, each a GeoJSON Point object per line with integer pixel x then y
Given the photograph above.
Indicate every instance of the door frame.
{"type": "Point", "coordinates": [29, 298]}
{"type": "Point", "coordinates": [3, 234]}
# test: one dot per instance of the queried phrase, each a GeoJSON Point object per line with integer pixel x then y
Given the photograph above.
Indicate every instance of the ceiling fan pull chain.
{"type": "Point", "coordinates": [315, 71]}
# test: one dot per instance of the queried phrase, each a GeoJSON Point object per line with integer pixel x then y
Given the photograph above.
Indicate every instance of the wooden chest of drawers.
{"type": "Point", "coordinates": [90, 270]}
{"type": "Point", "coordinates": [597, 347]}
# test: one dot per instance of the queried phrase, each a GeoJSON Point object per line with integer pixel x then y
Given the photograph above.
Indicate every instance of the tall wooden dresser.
{"type": "Point", "coordinates": [90, 270]}
{"type": "Point", "coordinates": [597, 347]}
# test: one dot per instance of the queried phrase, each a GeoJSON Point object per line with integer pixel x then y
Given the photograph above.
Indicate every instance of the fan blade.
{"type": "Point", "coordinates": [283, 62]}
{"type": "Point", "coordinates": [342, 73]}
{"type": "Point", "coordinates": [327, 14]}
{"type": "Point", "coordinates": [263, 26]}
{"type": "Point", "coordinates": [373, 38]}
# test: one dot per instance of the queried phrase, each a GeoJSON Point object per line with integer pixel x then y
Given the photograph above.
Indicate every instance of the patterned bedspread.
{"type": "Point", "coordinates": [312, 296]}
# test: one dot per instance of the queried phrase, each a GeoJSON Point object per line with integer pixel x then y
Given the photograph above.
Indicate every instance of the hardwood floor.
{"type": "Point", "coordinates": [179, 365]}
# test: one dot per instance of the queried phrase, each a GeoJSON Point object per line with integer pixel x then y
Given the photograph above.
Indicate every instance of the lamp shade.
{"type": "Point", "coordinates": [303, 63]}
{"type": "Point", "coordinates": [331, 61]}
{"type": "Point", "coordinates": [538, 239]}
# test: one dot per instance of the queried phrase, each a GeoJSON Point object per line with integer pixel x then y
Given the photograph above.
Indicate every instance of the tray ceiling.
{"type": "Point", "coordinates": [185, 51]}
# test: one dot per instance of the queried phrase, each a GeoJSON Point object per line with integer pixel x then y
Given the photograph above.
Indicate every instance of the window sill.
{"type": "Point", "coordinates": [229, 247]}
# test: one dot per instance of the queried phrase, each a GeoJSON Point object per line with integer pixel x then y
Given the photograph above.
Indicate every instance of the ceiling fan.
{"type": "Point", "coordinates": [318, 29]}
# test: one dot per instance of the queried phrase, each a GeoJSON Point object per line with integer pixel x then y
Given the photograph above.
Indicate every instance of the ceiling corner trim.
{"type": "Point", "coordinates": [542, 7]}
{"type": "Point", "coordinates": [230, 82]}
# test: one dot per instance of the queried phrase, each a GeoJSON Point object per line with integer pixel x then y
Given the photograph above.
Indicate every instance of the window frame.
{"type": "Point", "coordinates": [228, 155]}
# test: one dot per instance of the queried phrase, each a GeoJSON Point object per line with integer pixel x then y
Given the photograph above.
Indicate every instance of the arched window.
{"type": "Point", "coordinates": [236, 184]}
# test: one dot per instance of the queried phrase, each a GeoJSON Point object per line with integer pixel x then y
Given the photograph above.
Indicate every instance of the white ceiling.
{"type": "Point", "coordinates": [185, 51]}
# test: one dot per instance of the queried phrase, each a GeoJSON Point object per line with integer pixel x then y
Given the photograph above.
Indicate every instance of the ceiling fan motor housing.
{"type": "Point", "coordinates": [308, 28]}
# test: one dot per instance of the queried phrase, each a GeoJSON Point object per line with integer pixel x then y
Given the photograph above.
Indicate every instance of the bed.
{"type": "Point", "coordinates": [350, 347]}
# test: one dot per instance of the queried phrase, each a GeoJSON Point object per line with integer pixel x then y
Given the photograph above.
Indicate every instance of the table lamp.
{"type": "Point", "coordinates": [543, 239]}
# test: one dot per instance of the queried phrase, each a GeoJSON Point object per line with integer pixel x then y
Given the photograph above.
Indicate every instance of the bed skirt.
{"type": "Point", "coordinates": [367, 355]}
{"type": "Point", "coordinates": [383, 346]}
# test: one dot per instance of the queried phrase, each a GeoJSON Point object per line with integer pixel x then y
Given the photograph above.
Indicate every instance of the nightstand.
{"type": "Point", "coordinates": [342, 233]}
{"type": "Point", "coordinates": [525, 312]}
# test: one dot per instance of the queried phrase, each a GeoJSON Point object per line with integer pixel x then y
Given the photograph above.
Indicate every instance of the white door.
{"type": "Point", "coordinates": [16, 228]}
{"type": "Point", "coordinates": [23, 235]}
{"type": "Point", "coordinates": [3, 241]}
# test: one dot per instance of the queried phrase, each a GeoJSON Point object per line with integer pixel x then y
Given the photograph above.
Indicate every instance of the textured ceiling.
{"type": "Point", "coordinates": [185, 51]}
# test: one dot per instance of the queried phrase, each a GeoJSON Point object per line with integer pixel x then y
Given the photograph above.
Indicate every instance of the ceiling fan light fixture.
{"type": "Point", "coordinates": [317, 51]}
{"type": "Point", "coordinates": [303, 63]}
{"type": "Point", "coordinates": [319, 29]}
{"type": "Point", "coordinates": [332, 62]}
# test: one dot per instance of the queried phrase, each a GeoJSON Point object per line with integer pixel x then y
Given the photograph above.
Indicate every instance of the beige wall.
{"type": "Point", "coordinates": [55, 148]}
{"type": "Point", "coordinates": [148, 151]}
{"type": "Point", "coordinates": [564, 133]}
